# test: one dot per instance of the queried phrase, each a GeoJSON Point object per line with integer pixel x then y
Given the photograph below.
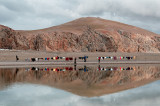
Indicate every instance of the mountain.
{"type": "Point", "coordinates": [82, 35]}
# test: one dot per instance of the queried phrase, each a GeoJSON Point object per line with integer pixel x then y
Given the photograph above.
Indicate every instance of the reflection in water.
{"type": "Point", "coordinates": [114, 68]}
{"type": "Point", "coordinates": [38, 95]}
{"type": "Point", "coordinates": [86, 81]}
{"type": "Point", "coordinates": [85, 68]}
{"type": "Point", "coordinates": [27, 85]}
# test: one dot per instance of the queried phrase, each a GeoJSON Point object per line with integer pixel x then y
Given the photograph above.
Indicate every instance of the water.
{"type": "Point", "coordinates": [111, 85]}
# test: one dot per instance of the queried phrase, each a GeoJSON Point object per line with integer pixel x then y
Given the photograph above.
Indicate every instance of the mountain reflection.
{"type": "Point", "coordinates": [86, 81]}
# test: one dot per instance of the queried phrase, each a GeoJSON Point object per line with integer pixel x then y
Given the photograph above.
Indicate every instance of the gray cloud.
{"type": "Point", "coordinates": [37, 14]}
{"type": "Point", "coordinates": [130, 8]}
{"type": "Point", "coordinates": [143, 12]}
{"type": "Point", "coordinates": [5, 17]}
{"type": "Point", "coordinates": [38, 95]}
{"type": "Point", "coordinates": [17, 6]}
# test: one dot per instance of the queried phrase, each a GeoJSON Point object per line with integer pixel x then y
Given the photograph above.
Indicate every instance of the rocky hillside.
{"type": "Point", "coordinates": [82, 35]}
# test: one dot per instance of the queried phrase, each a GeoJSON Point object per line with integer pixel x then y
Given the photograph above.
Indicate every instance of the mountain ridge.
{"type": "Point", "coordinates": [86, 21]}
{"type": "Point", "coordinates": [89, 34]}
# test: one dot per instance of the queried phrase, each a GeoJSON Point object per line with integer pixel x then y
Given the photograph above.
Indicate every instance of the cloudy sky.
{"type": "Point", "coordinates": [39, 95]}
{"type": "Point", "coordinates": [38, 14]}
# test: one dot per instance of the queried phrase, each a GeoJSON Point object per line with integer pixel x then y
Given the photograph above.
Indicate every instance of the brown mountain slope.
{"type": "Point", "coordinates": [85, 34]}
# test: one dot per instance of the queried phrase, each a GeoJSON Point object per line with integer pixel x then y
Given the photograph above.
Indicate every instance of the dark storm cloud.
{"type": "Point", "coordinates": [37, 14]}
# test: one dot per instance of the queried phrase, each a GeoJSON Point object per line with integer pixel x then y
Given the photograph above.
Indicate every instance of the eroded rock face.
{"type": "Point", "coordinates": [83, 35]}
{"type": "Point", "coordinates": [157, 39]}
{"type": "Point", "coordinates": [7, 38]}
{"type": "Point", "coordinates": [137, 43]}
{"type": "Point", "coordinates": [10, 40]}
{"type": "Point", "coordinates": [90, 40]}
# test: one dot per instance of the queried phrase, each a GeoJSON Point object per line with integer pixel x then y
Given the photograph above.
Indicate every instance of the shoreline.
{"type": "Point", "coordinates": [23, 64]}
{"type": "Point", "coordinates": [8, 58]}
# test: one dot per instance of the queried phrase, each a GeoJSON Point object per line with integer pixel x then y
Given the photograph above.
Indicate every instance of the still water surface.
{"type": "Point", "coordinates": [113, 85]}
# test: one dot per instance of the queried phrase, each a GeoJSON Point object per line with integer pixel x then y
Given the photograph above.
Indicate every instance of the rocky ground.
{"type": "Point", "coordinates": [10, 56]}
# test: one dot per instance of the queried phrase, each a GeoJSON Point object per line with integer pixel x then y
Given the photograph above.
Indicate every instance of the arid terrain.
{"type": "Point", "coordinates": [83, 35]}
{"type": "Point", "coordinates": [10, 56]}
